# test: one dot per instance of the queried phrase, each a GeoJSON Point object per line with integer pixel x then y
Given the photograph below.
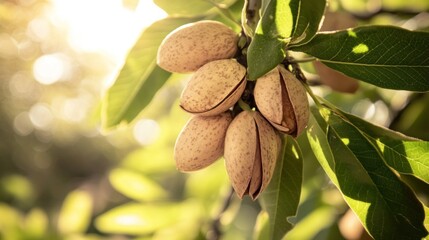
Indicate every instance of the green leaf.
{"type": "Point", "coordinates": [134, 218]}
{"type": "Point", "coordinates": [136, 186]}
{"type": "Point", "coordinates": [387, 208]}
{"type": "Point", "coordinates": [36, 223]}
{"type": "Point", "coordinates": [316, 135]}
{"type": "Point", "coordinates": [191, 7]}
{"type": "Point", "coordinates": [313, 224]}
{"type": "Point", "coordinates": [230, 15]}
{"type": "Point", "coordinates": [308, 23]}
{"type": "Point", "coordinates": [272, 34]}
{"type": "Point", "coordinates": [262, 227]}
{"type": "Point", "coordinates": [17, 187]}
{"type": "Point", "coordinates": [207, 185]}
{"type": "Point", "coordinates": [426, 218]}
{"type": "Point", "coordinates": [359, 190]}
{"type": "Point", "coordinates": [281, 198]}
{"type": "Point", "coordinates": [264, 5]}
{"type": "Point", "coordinates": [140, 78]}
{"type": "Point", "coordinates": [76, 212]}
{"type": "Point", "coordinates": [404, 154]}
{"type": "Point", "coordinates": [162, 218]}
{"type": "Point", "coordinates": [385, 56]}
{"type": "Point", "coordinates": [11, 218]}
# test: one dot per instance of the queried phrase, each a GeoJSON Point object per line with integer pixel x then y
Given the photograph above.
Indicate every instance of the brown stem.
{"type": "Point", "coordinates": [296, 69]}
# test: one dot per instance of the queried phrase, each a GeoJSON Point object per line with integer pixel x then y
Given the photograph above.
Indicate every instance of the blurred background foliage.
{"type": "Point", "coordinates": [62, 177]}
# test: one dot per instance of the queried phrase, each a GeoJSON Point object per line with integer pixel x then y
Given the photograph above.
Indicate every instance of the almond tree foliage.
{"type": "Point", "coordinates": [358, 170]}
{"type": "Point", "coordinates": [380, 173]}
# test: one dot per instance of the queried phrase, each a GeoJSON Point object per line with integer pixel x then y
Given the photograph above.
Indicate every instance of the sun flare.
{"type": "Point", "coordinates": [104, 26]}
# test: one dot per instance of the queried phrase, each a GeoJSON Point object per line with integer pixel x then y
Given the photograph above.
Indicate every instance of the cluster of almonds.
{"type": "Point", "coordinates": [249, 141]}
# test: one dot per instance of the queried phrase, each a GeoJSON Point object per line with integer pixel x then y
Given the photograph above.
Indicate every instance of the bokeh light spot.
{"type": "Point", "coordinates": [74, 110]}
{"type": "Point", "coordinates": [22, 84]}
{"type": "Point", "coordinates": [146, 131]}
{"type": "Point", "coordinates": [49, 69]}
{"type": "Point", "coordinates": [8, 46]}
{"type": "Point", "coordinates": [41, 116]}
{"type": "Point", "coordinates": [22, 124]}
{"type": "Point", "coordinates": [39, 29]}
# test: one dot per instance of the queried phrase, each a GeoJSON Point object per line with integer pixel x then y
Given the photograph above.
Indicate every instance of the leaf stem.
{"type": "Point", "coordinates": [312, 95]}
{"type": "Point", "coordinates": [302, 60]}
{"type": "Point", "coordinates": [244, 105]}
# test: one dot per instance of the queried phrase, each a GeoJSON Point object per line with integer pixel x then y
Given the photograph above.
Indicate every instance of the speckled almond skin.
{"type": "Point", "coordinates": [269, 146]}
{"type": "Point", "coordinates": [298, 98]}
{"type": "Point", "coordinates": [282, 100]}
{"type": "Point", "coordinates": [214, 88]}
{"type": "Point", "coordinates": [272, 101]}
{"type": "Point", "coordinates": [190, 46]}
{"type": "Point", "coordinates": [251, 150]}
{"type": "Point", "coordinates": [201, 142]}
{"type": "Point", "coordinates": [268, 94]}
{"type": "Point", "coordinates": [240, 151]}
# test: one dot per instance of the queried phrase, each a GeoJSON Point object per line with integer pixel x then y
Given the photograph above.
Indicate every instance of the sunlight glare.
{"type": "Point", "coordinates": [148, 12]}
{"type": "Point", "coordinates": [125, 220]}
{"type": "Point", "coordinates": [360, 48]}
{"type": "Point", "coordinates": [351, 33]}
{"type": "Point", "coordinates": [346, 141]}
{"type": "Point", "coordinates": [104, 26]}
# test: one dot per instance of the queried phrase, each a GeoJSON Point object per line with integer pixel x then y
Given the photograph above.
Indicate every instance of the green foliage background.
{"type": "Point", "coordinates": [68, 179]}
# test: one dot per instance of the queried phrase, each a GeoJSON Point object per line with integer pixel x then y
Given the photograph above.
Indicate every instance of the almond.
{"type": "Point", "coordinates": [201, 142]}
{"type": "Point", "coordinates": [214, 88]}
{"type": "Point", "coordinates": [251, 150]}
{"type": "Point", "coordinates": [190, 46]}
{"type": "Point", "coordinates": [282, 100]}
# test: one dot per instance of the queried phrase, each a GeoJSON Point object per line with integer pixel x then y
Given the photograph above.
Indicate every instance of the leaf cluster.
{"type": "Point", "coordinates": [366, 163]}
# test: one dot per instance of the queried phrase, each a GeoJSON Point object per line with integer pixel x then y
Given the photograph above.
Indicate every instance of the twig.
{"type": "Point", "coordinates": [215, 232]}
{"type": "Point", "coordinates": [296, 69]}
{"type": "Point", "coordinates": [302, 60]}
{"type": "Point", "coordinates": [312, 95]}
